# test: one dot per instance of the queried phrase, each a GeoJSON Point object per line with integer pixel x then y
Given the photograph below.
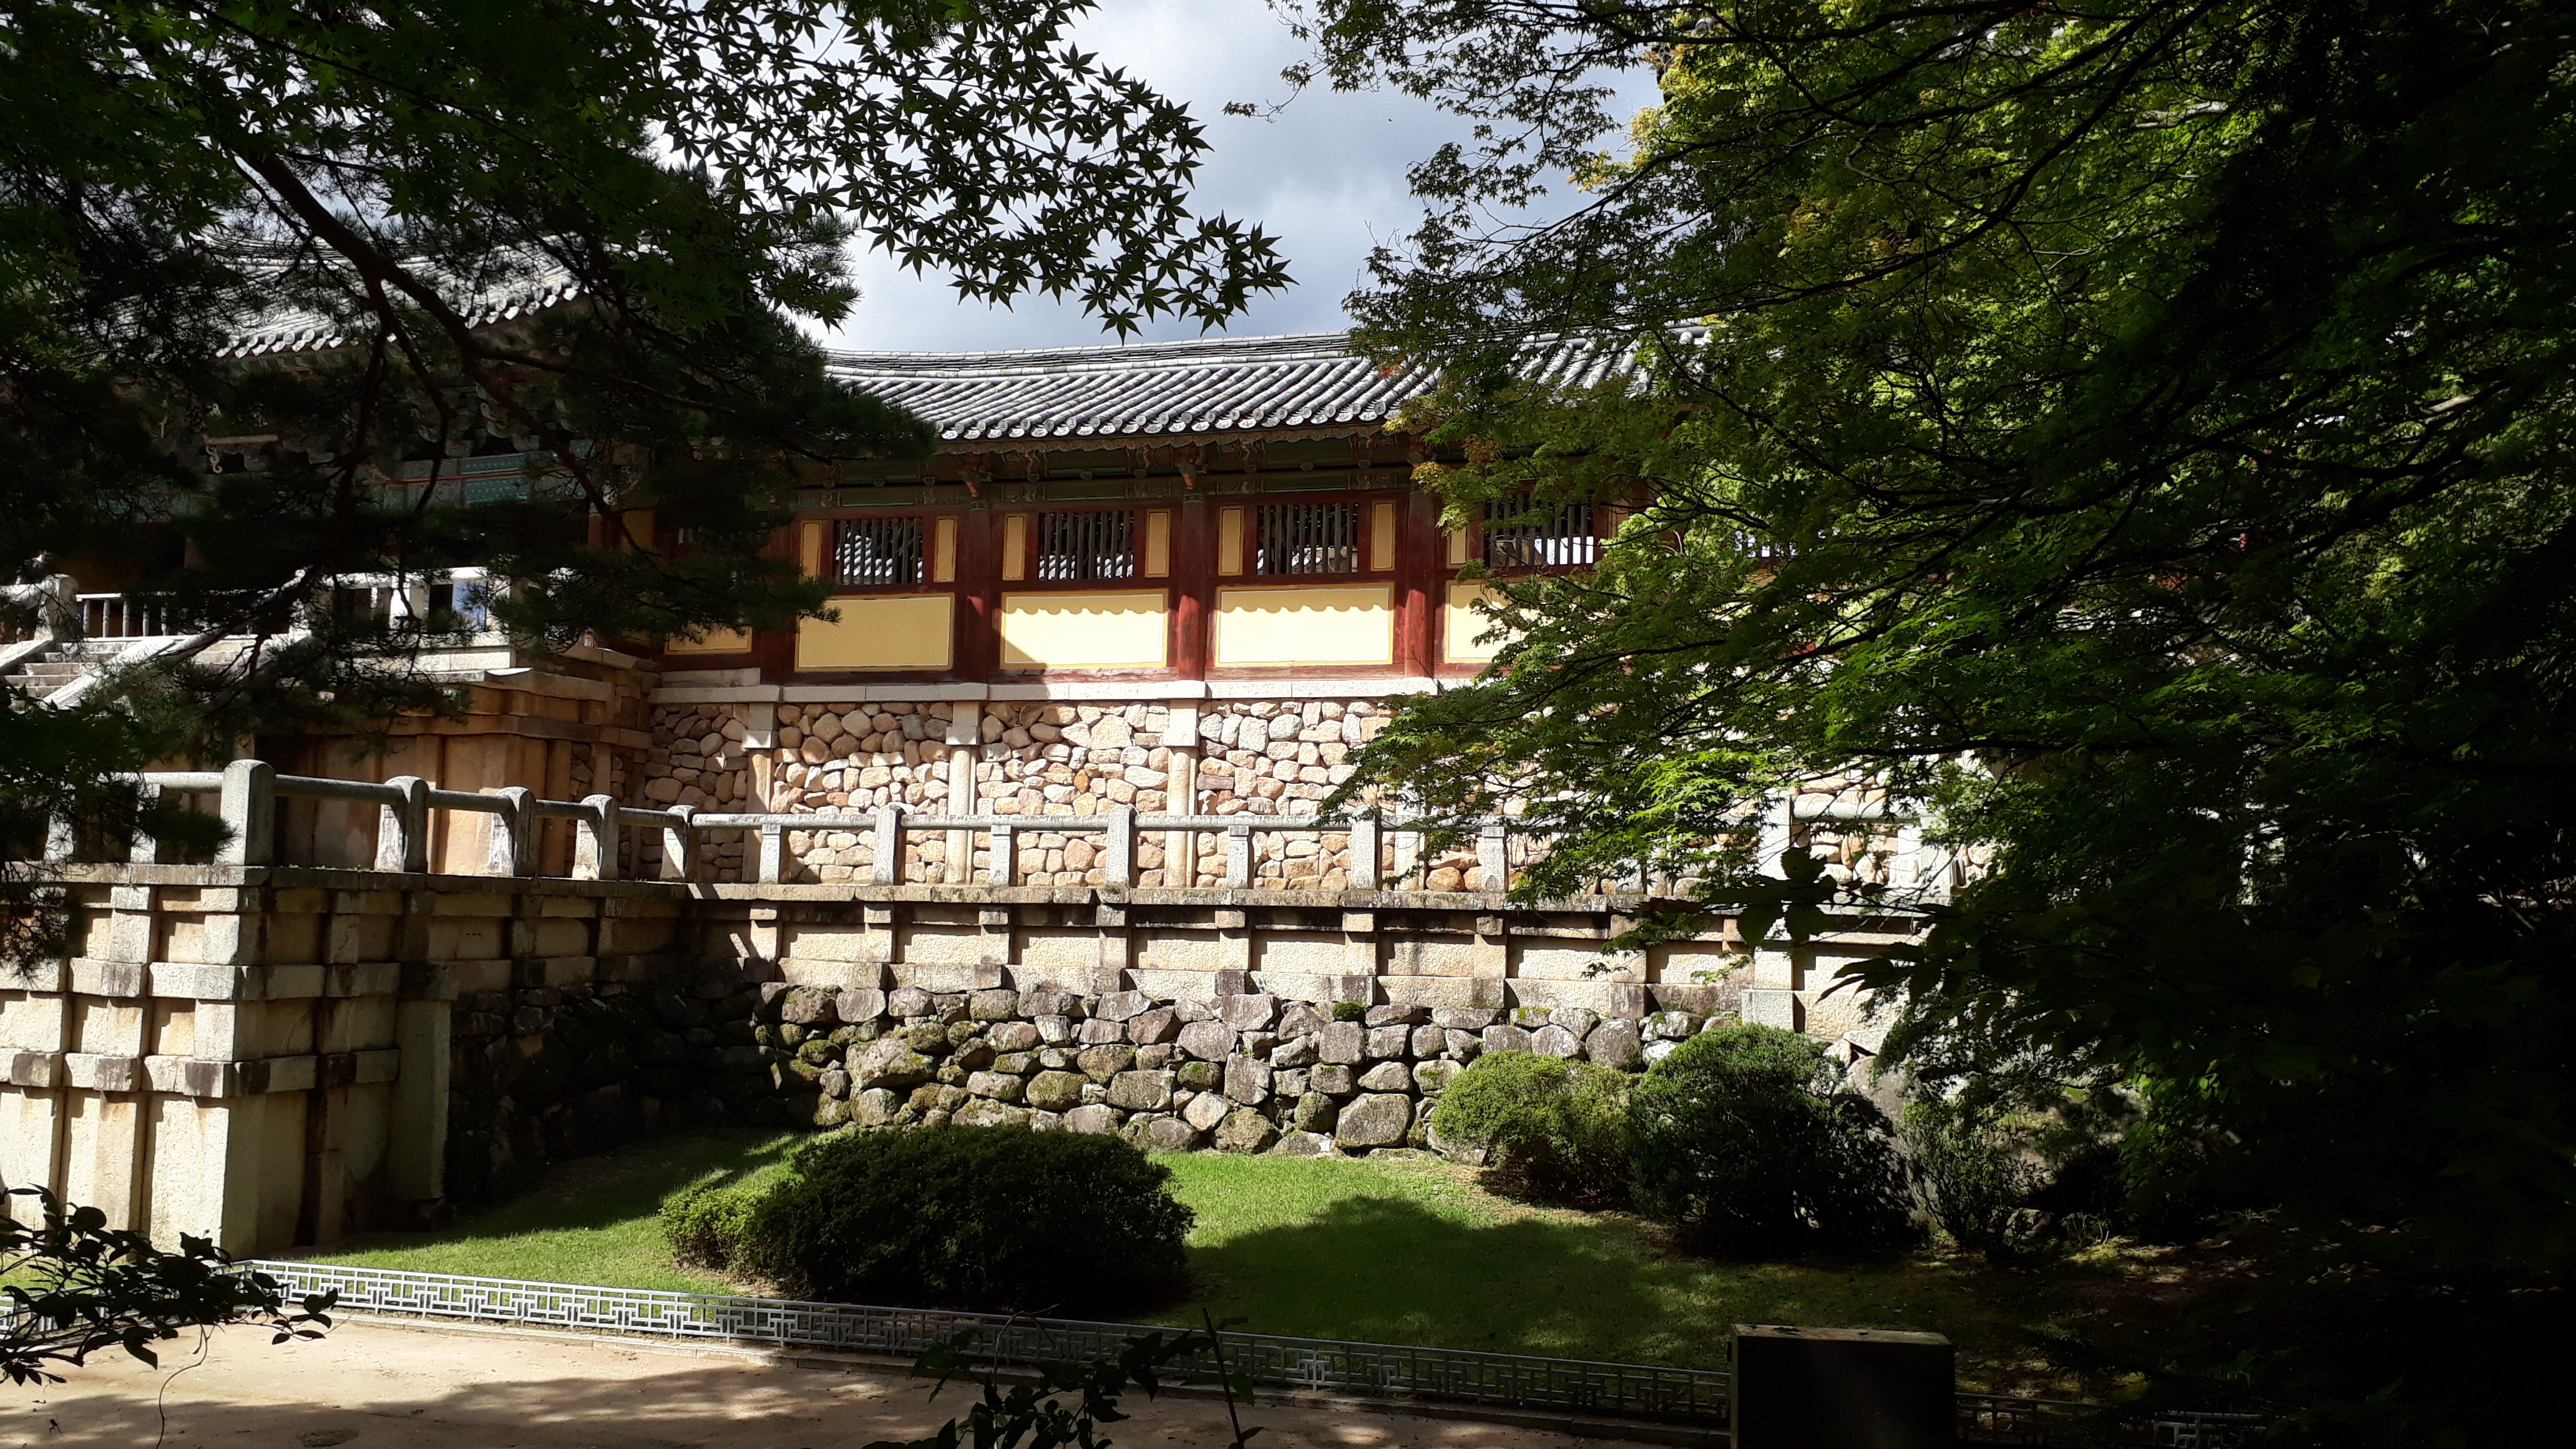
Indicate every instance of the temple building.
{"type": "Point", "coordinates": [1184, 577]}
{"type": "Point", "coordinates": [1187, 577]}
{"type": "Point", "coordinates": [1053, 773]}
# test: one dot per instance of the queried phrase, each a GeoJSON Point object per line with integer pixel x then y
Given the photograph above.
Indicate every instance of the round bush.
{"type": "Point", "coordinates": [1553, 1130]}
{"type": "Point", "coordinates": [1742, 1140]}
{"type": "Point", "coordinates": [972, 1217]}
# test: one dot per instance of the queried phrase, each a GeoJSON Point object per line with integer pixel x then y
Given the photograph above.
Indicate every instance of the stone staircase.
{"type": "Point", "coordinates": [43, 673]}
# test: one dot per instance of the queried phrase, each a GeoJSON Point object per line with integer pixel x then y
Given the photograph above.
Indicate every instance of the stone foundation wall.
{"type": "Point", "coordinates": [1241, 1072]}
{"type": "Point", "coordinates": [538, 1073]}
{"type": "Point", "coordinates": [272, 1056]}
{"type": "Point", "coordinates": [275, 1056]}
{"type": "Point", "coordinates": [1029, 759]}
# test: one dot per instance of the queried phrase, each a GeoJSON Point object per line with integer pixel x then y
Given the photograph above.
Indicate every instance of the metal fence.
{"type": "Point", "coordinates": [1499, 1379]}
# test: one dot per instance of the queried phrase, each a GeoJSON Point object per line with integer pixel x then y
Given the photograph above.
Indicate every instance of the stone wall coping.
{"type": "Point", "coordinates": [204, 1077]}
{"type": "Point", "coordinates": [717, 694]}
{"type": "Point", "coordinates": [527, 679]}
{"type": "Point", "coordinates": [1149, 691]}
{"type": "Point", "coordinates": [1154, 896]}
{"type": "Point", "coordinates": [352, 878]}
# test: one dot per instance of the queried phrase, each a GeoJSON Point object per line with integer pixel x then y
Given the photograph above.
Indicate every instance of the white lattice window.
{"type": "Point", "coordinates": [877, 553]}
{"type": "Point", "coordinates": [1308, 538]}
{"type": "Point", "coordinates": [1521, 534]}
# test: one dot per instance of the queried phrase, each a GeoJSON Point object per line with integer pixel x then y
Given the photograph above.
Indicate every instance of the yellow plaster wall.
{"type": "Point", "coordinates": [909, 631]}
{"type": "Point", "coordinates": [1461, 625]}
{"type": "Point", "coordinates": [718, 641]}
{"type": "Point", "coordinates": [1318, 624]}
{"type": "Point", "coordinates": [1128, 630]}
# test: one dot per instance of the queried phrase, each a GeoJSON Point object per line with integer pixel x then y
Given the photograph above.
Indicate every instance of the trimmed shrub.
{"type": "Point", "coordinates": [1553, 1130]}
{"type": "Point", "coordinates": [973, 1217]}
{"type": "Point", "coordinates": [706, 1224]}
{"type": "Point", "coordinates": [1976, 1172]}
{"type": "Point", "coordinates": [1742, 1138]}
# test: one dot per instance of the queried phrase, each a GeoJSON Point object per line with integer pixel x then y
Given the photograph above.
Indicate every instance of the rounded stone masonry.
{"type": "Point", "coordinates": [1249, 1072]}
{"type": "Point", "coordinates": [1375, 1119]}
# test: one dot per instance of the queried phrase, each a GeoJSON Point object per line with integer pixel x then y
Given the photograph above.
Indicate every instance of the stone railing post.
{"type": "Point", "coordinates": [1364, 853]}
{"type": "Point", "coordinates": [402, 831]}
{"type": "Point", "coordinates": [680, 844]}
{"type": "Point", "coordinates": [594, 846]}
{"type": "Point", "coordinates": [1006, 857]}
{"type": "Point", "coordinates": [1238, 857]}
{"type": "Point", "coordinates": [1118, 858]}
{"type": "Point", "coordinates": [887, 869]}
{"type": "Point", "coordinates": [965, 739]}
{"type": "Point", "coordinates": [511, 848]}
{"type": "Point", "coordinates": [146, 848]}
{"type": "Point", "coordinates": [59, 615]}
{"type": "Point", "coordinates": [249, 811]}
{"type": "Point", "coordinates": [773, 853]}
{"type": "Point", "coordinates": [1493, 866]}
{"type": "Point", "coordinates": [1181, 795]}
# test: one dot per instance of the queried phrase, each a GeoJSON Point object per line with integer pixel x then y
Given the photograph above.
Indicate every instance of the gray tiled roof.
{"type": "Point", "coordinates": [1134, 391]}
{"type": "Point", "coordinates": [528, 286]}
{"type": "Point", "coordinates": [1141, 390]}
{"type": "Point", "coordinates": [1166, 389]}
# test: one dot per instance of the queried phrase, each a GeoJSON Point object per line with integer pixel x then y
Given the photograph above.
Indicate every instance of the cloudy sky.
{"type": "Point", "coordinates": [1326, 176]}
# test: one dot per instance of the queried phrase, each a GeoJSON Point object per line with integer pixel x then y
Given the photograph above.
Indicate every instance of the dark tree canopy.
{"type": "Point", "coordinates": [76, 1287]}
{"type": "Point", "coordinates": [583, 231]}
{"type": "Point", "coordinates": [2139, 431]}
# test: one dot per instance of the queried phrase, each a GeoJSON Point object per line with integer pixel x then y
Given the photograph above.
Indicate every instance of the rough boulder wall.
{"type": "Point", "coordinates": [1245, 1072]}
{"type": "Point", "coordinates": [545, 1073]}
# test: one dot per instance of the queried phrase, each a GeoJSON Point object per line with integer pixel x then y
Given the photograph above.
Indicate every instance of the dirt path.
{"type": "Point", "coordinates": [384, 1386]}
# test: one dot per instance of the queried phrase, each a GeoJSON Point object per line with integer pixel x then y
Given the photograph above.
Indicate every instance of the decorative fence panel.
{"type": "Point", "coordinates": [1691, 1396]}
{"type": "Point", "coordinates": [2003, 1419]}
{"type": "Point", "coordinates": [1504, 1380]}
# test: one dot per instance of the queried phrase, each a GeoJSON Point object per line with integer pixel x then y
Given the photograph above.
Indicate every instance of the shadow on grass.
{"type": "Point", "coordinates": [1386, 1269]}
{"type": "Point", "coordinates": [591, 1220]}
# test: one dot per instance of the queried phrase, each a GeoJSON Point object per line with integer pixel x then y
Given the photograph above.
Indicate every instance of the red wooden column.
{"type": "Point", "coordinates": [979, 593]}
{"type": "Point", "coordinates": [1421, 583]}
{"type": "Point", "coordinates": [774, 650]}
{"type": "Point", "coordinates": [1193, 586]}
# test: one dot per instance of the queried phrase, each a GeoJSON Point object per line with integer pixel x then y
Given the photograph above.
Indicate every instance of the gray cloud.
{"type": "Point", "coordinates": [1326, 175]}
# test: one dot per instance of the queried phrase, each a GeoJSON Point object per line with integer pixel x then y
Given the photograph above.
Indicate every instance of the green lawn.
{"type": "Point", "coordinates": [1415, 1252]}
{"type": "Point", "coordinates": [1388, 1251]}
{"type": "Point", "coordinates": [588, 1221]}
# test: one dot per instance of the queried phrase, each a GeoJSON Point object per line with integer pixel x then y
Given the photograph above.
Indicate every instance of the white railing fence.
{"type": "Point", "coordinates": [114, 616]}
{"type": "Point", "coordinates": [394, 599]}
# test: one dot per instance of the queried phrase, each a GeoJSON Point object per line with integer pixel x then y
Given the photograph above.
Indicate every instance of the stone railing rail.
{"type": "Point", "coordinates": [114, 616]}
{"type": "Point", "coordinates": [247, 791]}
